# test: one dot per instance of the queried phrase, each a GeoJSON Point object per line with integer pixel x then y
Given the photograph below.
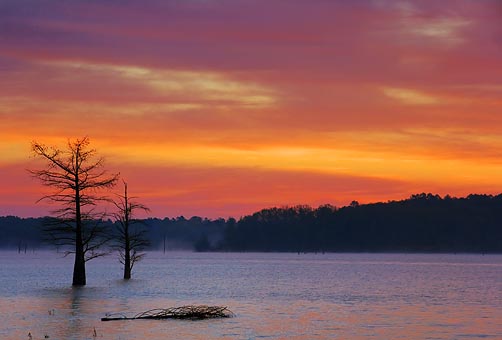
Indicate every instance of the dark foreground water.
{"type": "Point", "coordinates": [274, 296]}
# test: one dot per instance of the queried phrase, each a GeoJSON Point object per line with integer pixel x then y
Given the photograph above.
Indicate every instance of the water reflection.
{"type": "Point", "coordinates": [288, 297]}
{"type": "Point", "coordinates": [76, 306]}
{"type": "Point", "coordinates": [60, 314]}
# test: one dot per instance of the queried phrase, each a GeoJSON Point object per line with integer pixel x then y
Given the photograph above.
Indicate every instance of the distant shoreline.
{"type": "Point", "coordinates": [424, 223]}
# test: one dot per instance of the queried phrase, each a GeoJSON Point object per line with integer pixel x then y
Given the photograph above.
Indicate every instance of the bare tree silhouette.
{"type": "Point", "coordinates": [131, 237]}
{"type": "Point", "coordinates": [77, 176]}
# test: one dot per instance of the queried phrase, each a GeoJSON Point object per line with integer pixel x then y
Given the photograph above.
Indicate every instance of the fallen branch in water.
{"type": "Point", "coordinates": [183, 312]}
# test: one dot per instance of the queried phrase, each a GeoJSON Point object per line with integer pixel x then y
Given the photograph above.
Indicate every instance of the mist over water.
{"type": "Point", "coordinates": [276, 296]}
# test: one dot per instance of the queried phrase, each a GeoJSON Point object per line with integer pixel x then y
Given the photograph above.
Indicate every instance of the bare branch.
{"type": "Point", "coordinates": [77, 177]}
{"type": "Point", "coordinates": [130, 237]}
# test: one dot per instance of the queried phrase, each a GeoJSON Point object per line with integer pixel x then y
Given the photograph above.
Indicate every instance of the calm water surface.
{"type": "Point", "coordinates": [274, 296]}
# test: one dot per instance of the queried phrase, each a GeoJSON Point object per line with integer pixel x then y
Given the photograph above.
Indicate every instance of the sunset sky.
{"type": "Point", "coordinates": [223, 107]}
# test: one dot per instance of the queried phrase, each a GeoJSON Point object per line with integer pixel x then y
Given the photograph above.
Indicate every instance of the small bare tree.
{"type": "Point", "coordinates": [76, 176]}
{"type": "Point", "coordinates": [131, 237]}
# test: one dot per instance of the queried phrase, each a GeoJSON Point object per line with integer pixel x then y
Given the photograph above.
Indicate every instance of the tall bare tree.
{"type": "Point", "coordinates": [77, 176]}
{"type": "Point", "coordinates": [131, 237]}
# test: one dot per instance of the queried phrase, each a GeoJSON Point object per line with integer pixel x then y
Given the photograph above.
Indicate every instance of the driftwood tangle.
{"type": "Point", "coordinates": [183, 312]}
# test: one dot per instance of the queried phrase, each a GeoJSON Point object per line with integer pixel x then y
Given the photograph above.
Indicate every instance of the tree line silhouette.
{"type": "Point", "coordinates": [421, 223]}
{"type": "Point", "coordinates": [161, 234]}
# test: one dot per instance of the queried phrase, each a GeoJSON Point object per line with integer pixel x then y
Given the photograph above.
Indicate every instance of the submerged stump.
{"type": "Point", "coordinates": [183, 312]}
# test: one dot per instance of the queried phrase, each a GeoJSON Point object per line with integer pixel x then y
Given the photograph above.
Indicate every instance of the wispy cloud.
{"type": "Point", "coordinates": [445, 30]}
{"type": "Point", "coordinates": [409, 96]}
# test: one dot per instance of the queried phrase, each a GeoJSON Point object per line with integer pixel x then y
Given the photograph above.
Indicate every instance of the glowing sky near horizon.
{"type": "Point", "coordinates": [220, 108]}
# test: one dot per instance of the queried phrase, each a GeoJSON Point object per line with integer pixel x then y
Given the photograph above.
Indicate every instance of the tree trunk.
{"type": "Point", "coordinates": [127, 262]}
{"type": "Point", "coordinates": [127, 267]}
{"type": "Point", "coordinates": [79, 266]}
{"type": "Point", "coordinates": [127, 245]}
{"type": "Point", "coordinates": [127, 253]}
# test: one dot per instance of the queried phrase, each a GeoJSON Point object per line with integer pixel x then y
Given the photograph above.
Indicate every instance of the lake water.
{"type": "Point", "coordinates": [274, 296]}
